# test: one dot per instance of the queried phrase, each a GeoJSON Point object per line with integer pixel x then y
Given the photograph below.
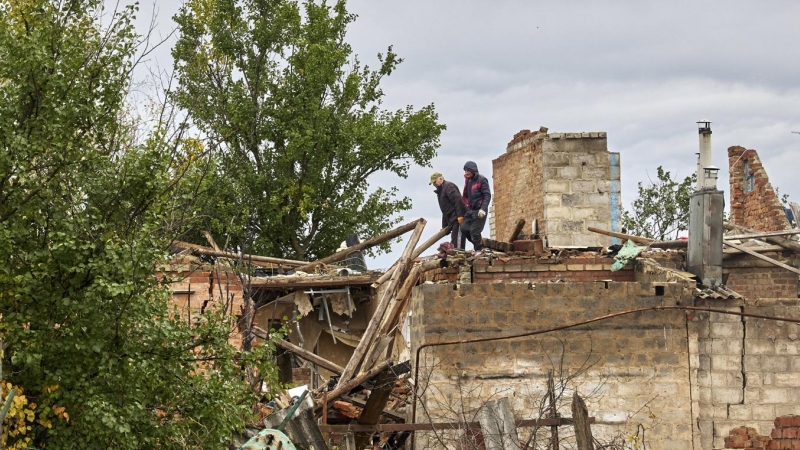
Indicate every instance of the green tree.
{"type": "Point", "coordinates": [661, 210]}
{"type": "Point", "coordinates": [297, 123]}
{"type": "Point", "coordinates": [87, 210]}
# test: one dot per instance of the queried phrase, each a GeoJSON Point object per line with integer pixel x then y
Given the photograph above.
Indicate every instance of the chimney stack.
{"type": "Point", "coordinates": [704, 254]}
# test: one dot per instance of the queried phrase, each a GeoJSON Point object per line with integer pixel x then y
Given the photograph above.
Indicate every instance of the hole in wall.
{"type": "Point", "coordinates": [659, 290]}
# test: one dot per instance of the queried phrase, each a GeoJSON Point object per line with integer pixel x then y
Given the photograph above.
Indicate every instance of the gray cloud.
{"type": "Point", "coordinates": [643, 71]}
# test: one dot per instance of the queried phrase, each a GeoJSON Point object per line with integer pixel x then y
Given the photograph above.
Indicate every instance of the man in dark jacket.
{"type": "Point", "coordinates": [450, 203]}
{"type": "Point", "coordinates": [476, 197]}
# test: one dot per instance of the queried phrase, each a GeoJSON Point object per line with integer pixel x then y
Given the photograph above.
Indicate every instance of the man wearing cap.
{"type": "Point", "coordinates": [450, 203]}
{"type": "Point", "coordinates": [476, 197]}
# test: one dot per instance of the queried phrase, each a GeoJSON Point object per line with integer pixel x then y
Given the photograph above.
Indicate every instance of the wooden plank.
{"type": "Point", "coordinates": [417, 251]}
{"type": "Point", "coordinates": [583, 432]}
{"type": "Point", "coordinates": [394, 283]}
{"type": "Point", "coordinates": [757, 249]}
{"type": "Point", "coordinates": [394, 427]}
{"type": "Point", "coordinates": [344, 388]}
{"type": "Point", "coordinates": [761, 235]}
{"type": "Point", "coordinates": [517, 231]}
{"type": "Point", "coordinates": [305, 354]}
{"type": "Point", "coordinates": [235, 256]}
{"type": "Point", "coordinates": [636, 239]}
{"type": "Point", "coordinates": [669, 244]}
{"type": "Point", "coordinates": [402, 298]}
{"type": "Point", "coordinates": [498, 425]}
{"type": "Point", "coordinates": [393, 415]}
{"type": "Point", "coordinates": [783, 242]}
{"type": "Point", "coordinates": [762, 257]}
{"type": "Point", "coordinates": [340, 255]}
{"type": "Point", "coordinates": [280, 283]}
{"type": "Point", "coordinates": [377, 400]}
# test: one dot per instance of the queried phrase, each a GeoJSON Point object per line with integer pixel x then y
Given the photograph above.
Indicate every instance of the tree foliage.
{"type": "Point", "coordinates": [87, 209]}
{"type": "Point", "coordinates": [296, 120]}
{"type": "Point", "coordinates": [661, 209]}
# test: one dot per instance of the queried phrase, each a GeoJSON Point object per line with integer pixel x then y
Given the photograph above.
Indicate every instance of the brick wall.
{"type": "Point", "coordinates": [785, 436]}
{"type": "Point", "coordinates": [754, 278]}
{"type": "Point", "coordinates": [199, 286]}
{"type": "Point", "coordinates": [517, 179]}
{"type": "Point", "coordinates": [532, 269]}
{"type": "Point", "coordinates": [631, 370]}
{"type": "Point", "coordinates": [524, 268]}
{"type": "Point", "coordinates": [760, 208]}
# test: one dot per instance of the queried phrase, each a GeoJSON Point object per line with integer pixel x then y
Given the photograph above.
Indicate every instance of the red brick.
{"type": "Point", "coordinates": [736, 441]}
{"type": "Point", "coordinates": [784, 421]}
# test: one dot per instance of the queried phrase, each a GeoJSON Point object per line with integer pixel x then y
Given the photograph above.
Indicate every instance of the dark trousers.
{"type": "Point", "coordinates": [455, 232]}
{"type": "Point", "coordinates": [472, 227]}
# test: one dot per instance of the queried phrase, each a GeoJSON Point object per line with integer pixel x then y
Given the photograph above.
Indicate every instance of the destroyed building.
{"type": "Point", "coordinates": [659, 358]}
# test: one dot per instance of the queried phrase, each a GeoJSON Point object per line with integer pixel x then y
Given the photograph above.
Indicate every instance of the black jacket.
{"type": "Point", "coordinates": [450, 202]}
{"type": "Point", "coordinates": [476, 190]}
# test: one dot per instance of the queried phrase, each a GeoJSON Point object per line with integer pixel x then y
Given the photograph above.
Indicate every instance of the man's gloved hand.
{"type": "Point", "coordinates": [460, 220]}
{"type": "Point", "coordinates": [481, 214]}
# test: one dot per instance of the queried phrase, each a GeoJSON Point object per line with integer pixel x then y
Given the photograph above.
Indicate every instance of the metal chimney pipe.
{"type": "Point", "coordinates": [704, 159]}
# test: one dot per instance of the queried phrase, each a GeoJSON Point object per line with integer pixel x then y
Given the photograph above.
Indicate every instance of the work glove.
{"type": "Point", "coordinates": [460, 220]}
{"type": "Point", "coordinates": [481, 214]}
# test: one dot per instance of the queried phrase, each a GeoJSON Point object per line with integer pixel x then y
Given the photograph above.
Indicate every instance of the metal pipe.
{"type": "Point", "coordinates": [704, 160]}
{"type": "Point", "coordinates": [572, 325]}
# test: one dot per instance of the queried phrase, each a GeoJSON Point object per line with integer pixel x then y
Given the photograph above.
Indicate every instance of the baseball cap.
{"type": "Point", "coordinates": [435, 177]}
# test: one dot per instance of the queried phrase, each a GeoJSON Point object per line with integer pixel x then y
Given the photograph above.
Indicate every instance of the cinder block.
{"type": "Point", "coordinates": [726, 330]}
{"type": "Point", "coordinates": [774, 395]}
{"type": "Point", "coordinates": [727, 395]}
{"type": "Point", "coordinates": [557, 186]}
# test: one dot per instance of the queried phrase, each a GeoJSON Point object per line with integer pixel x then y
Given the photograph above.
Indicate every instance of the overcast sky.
{"type": "Point", "coordinates": [642, 71]}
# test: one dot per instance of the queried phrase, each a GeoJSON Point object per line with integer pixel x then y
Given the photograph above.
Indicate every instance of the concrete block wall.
{"type": "Point", "coordinates": [748, 371]}
{"type": "Point", "coordinates": [761, 208]}
{"type": "Point", "coordinates": [581, 188]}
{"type": "Point", "coordinates": [632, 369]}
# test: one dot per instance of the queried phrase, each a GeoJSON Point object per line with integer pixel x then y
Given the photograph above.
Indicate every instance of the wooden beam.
{"type": "Point", "coordinates": [402, 295]}
{"type": "Point", "coordinates": [762, 257]}
{"type": "Point", "coordinates": [311, 282]}
{"type": "Point", "coordinates": [517, 230]}
{"type": "Point", "coordinates": [783, 242]}
{"type": "Point", "coordinates": [583, 432]}
{"type": "Point", "coordinates": [340, 255]}
{"type": "Point", "coordinates": [762, 235]}
{"type": "Point", "coordinates": [307, 355]}
{"type": "Point", "coordinates": [417, 251]}
{"type": "Point", "coordinates": [364, 344]}
{"type": "Point", "coordinates": [243, 257]}
{"type": "Point", "coordinates": [636, 239]}
{"type": "Point", "coordinates": [669, 244]}
{"type": "Point", "coordinates": [757, 249]}
{"type": "Point", "coordinates": [377, 400]}
{"type": "Point", "coordinates": [385, 412]}
{"type": "Point", "coordinates": [344, 388]}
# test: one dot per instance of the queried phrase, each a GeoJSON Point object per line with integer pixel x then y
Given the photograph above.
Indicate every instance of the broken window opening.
{"type": "Point", "coordinates": [749, 180]}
